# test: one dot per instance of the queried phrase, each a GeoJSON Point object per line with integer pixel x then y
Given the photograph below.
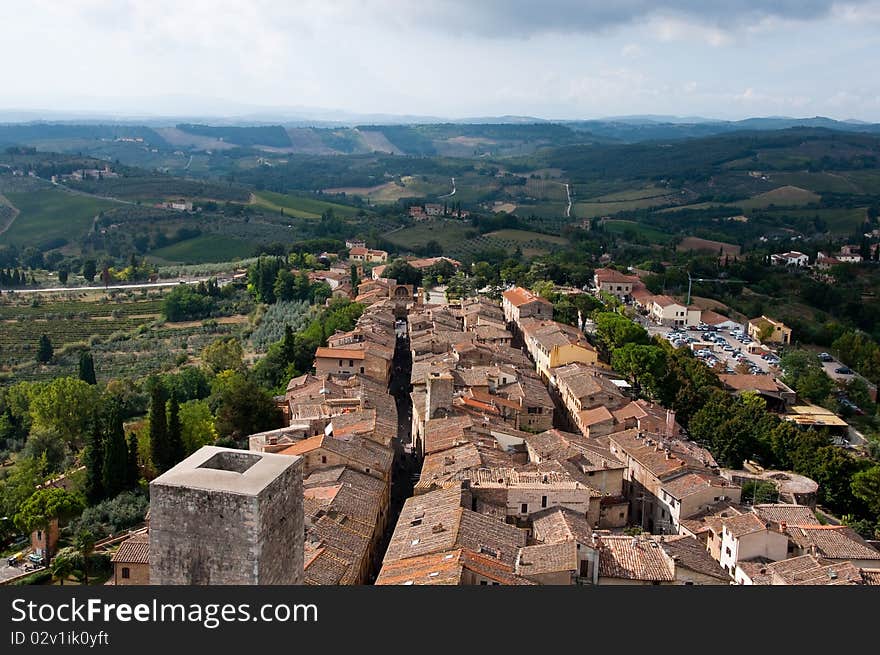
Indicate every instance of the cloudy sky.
{"type": "Point", "coordinates": [450, 58]}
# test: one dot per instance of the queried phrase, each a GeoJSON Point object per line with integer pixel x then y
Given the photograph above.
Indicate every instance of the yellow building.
{"type": "Point", "coordinates": [766, 330]}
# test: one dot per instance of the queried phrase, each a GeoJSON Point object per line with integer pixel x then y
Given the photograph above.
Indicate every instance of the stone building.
{"type": "Point", "coordinates": [131, 561]}
{"type": "Point", "coordinates": [225, 516]}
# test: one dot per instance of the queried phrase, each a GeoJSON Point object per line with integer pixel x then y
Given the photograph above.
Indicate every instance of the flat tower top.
{"type": "Point", "coordinates": [227, 470]}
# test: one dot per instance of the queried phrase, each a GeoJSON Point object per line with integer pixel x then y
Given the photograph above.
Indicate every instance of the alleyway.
{"type": "Point", "coordinates": [406, 468]}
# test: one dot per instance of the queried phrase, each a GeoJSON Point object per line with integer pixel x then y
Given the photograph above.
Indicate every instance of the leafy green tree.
{"type": "Point", "coordinates": [759, 491]}
{"type": "Point", "coordinates": [644, 365]}
{"type": "Point", "coordinates": [185, 303]}
{"type": "Point", "coordinates": [87, 368]}
{"type": "Point", "coordinates": [803, 373]}
{"type": "Point", "coordinates": [64, 564]}
{"type": "Point", "coordinates": [404, 272]}
{"type": "Point", "coordinates": [89, 270]}
{"type": "Point", "coordinates": [614, 331]}
{"type": "Point", "coordinates": [866, 487]}
{"type": "Point", "coordinates": [45, 352]}
{"type": "Point", "coordinates": [285, 287]}
{"type": "Point", "coordinates": [223, 354]}
{"type": "Point", "coordinates": [66, 405]}
{"type": "Point", "coordinates": [244, 408]}
{"type": "Point", "coordinates": [46, 444]}
{"type": "Point", "coordinates": [46, 505]}
{"type": "Point", "coordinates": [196, 425]}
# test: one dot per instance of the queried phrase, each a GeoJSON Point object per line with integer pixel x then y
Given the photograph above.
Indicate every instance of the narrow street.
{"type": "Point", "coordinates": [405, 469]}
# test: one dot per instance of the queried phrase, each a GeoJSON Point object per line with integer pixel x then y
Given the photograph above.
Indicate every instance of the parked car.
{"type": "Point", "coordinates": [843, 370]}
{"type": "Point", "coordinates": [825, 357]}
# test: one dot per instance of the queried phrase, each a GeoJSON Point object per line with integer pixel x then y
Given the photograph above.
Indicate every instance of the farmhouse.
{"type": "Point", "coordinates": [790, 258]}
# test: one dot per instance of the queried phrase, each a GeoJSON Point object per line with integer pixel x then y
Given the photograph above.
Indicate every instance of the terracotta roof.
{"type": "Point", "coordinates": [691, 553]}
{"type": "Point", "coordinates": [596, 415]}
{"type": "Point", "coordinates": [613, 275]}
{"type": "Point", "coordinates": [746, 382]}
{"type": "Point", "coordinates": [748, 523]}
{"type": "Point", "coordinates": [871, 576]}
{"type": "Point", "coordinates": [339, 353]}
{"type": "Point", "coordinates": [833, 541]}
{"type": "Point", "coordinates": [790, 514]}
{"type": "Point", "coordinates": [443, 568]}
{"type": "Point", "coordinates": [547, 558]}
{"type": "Point", "coordinates": [810, 570]}
{"type": "Point", "coordinates": [633, 558]}
{"type": "Point", "coordinates": [666, 301]}
{"type": "Point", "coordinates": [693, 482]}
{"type": "Point", "coordinates": [134, 550]}
{"type": "Point", "coordinates": [520, 296]}
{"type": "Point", "coordinates": [714, 318]}
{"type": "Point", "coordinates": [560, 524]}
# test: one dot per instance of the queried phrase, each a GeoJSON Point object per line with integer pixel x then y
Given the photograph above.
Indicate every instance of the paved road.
{"type": "Point", "coordinates": [9, 572]}
{"type": "Point", "coordinates": [568, 196]}
{"type": "Point", "coordinates": [449, 195]}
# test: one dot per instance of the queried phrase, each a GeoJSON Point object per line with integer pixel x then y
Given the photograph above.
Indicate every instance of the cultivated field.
{"type": "Point", "coordinates": [49, 215]}
{"type": "Point", "coordinates": [784, 196]}
{"type": "Point", "coordinates": [706, 245]}
{"type": "Point", "coordinates": [299, 206]}
{"type": "Point", "coordinates": [205, 249]}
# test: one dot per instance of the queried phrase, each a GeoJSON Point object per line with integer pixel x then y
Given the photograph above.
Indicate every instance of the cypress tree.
{"type": "Point", "coordinates": [87, 367]}
{"type": "Point", "coordinates": [134, 472]}
{"type": "Point", "coordinates": [175, 436]}
{"type": "Point", "coordinates": [288, 345]}
{"type": "Point", "coordinates": [158, 428]}
{"type": "Point", "coordinates": [45, 352]}
{"type": "Point", "coordinates": [93, 458]}
{"type": "Point", "coordinates": [115, 472]}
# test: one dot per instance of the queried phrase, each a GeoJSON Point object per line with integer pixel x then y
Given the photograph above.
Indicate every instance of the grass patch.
{"type": "Point", "coordinates": [633, 231]}
{"type": "Point", "coordinates": [596, 209]}
{"type": "Point", "coordinates": [51, 214]}
{"type": "Point", "coordinates": [784, 196]}
{"type": "Point", "coordinates": [525, 236]}
{"type": "Point", "coordinates": [205, 249]}
{"type": "Point", "coordinates": [838, 220]}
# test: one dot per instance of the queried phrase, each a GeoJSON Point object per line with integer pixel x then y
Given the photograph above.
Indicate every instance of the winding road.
{"type": "Point", "coordinates": [568, 196]}
{"type": "Point", "coordinates": [449, 195]}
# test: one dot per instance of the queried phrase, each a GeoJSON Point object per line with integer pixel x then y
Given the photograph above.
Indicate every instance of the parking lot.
{"type": "Point", "coordinates": [715, 345]}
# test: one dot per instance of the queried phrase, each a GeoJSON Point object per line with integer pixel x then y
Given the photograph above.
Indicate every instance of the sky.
{"type": "Point", "coordinates": [555, 59]}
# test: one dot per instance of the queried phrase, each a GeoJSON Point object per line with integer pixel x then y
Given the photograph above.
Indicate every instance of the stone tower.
{"type": "Point", "coordinates": [438, 402]}
{"type": "Point", "coordinates": [225, 516]}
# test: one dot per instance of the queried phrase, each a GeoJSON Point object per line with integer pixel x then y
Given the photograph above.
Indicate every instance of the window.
{"type": "Point", "coordinates": [323, 459]}
{"type": "Point", "coordinates": [484, 583]}
{"type": "Point", "coordinates": [621, 515]}
{"type": "Point", "coordinates": [367, 470]}
{"type": "Point", "coordinates": [126, 573]}
{"type": "Point", "coordinates": [524, 509]}
{"type": "Point", "coordinates": [727, 551]}
{"type": "Point", "coordinates": [362, 369]}
{"type": "Point", "coordinates": [350, 362]}
{"type": "Point", "coordinates": [543, 501]}
{"type": "Point", "coordinates": [340, 363]}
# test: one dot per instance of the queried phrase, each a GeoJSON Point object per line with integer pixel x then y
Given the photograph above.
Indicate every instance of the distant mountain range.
{"type": "Point", "coordinates": [337, 133]}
